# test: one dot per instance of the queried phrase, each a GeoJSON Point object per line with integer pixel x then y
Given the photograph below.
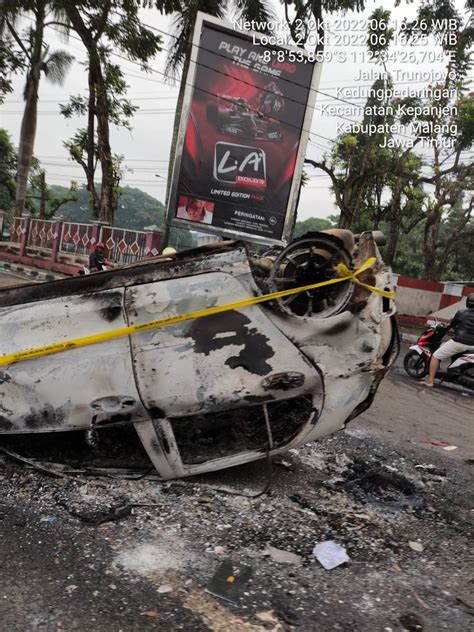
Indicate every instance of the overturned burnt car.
{"type": "Point", "coordinates": [210, 392]}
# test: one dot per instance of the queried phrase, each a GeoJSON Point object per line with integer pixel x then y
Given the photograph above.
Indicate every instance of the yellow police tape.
{"type": "Point", "coordinates": [345, 275]}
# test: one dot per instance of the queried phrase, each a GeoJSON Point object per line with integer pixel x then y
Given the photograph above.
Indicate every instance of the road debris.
{"type": "Point", "coordinates": [465, 596]}
{"type": "Point", "coordinates": [229, 581]}
{"type": "Point", "coordinates": [91, 510]}
{"type": "Point", "coordinates": [267, 616]}
{"type": "Point", "coordinates": [416, 546]}
{"type": "Point", "coordinates": [438, 444]}
{"type": "Point", "coordinates": [330, 554]}
{"type": "Point", "coordinates": [182, 530]}
{"type": "Point", "coordinates": [150, 613]}
{"type": "Point", "coordinates": [412, 622]}
{"type": "Point", "coordinates": [282, 557]}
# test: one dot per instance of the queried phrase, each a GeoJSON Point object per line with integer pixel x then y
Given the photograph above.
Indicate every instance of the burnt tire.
{"type": "Point", "coordinates": [415, 365]}
{"type": "Point", "coordinates": [311, 259]}
{"type": "Point", "coordinates": [467, 379]}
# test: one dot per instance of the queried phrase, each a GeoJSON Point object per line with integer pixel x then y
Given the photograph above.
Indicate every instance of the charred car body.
{"type": "Point", "coordinates": [210, 392]}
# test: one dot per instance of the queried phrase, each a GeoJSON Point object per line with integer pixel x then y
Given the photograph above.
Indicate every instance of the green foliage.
{"type": "Point", "coordinates": [29, 45]}
{"type": "Point", "coordinates": [42, 200]}
{"type": "Point", "coordinates": [136, 209]}
{"type": "Point", "coordinates": [304, 13]}
{"type": "Point", "coordinates": [430, 20]}
{"type": "Point", "coordinates": [11, 60]}
{"type": "Point", "coordinates": [312, 224]}
{"type": "Point", "coordinates": [57, 65]}
{"type": "Point", "coordinates": [120, 109]}
{"type": "Point", "coordinates": [105, 28]}
{"type": "Point", "coordinates": [409, 259]}
{"type": "Point", "coordinates": [182, 238]}
{"type": "Point", "coordinates": [7, 172]}
{"type": "Point", "coordinates": [377, 183]}
{"type": "Point", "coordinates": [380, 35]}
{"type": "Point", "coordinates": [464, 121]}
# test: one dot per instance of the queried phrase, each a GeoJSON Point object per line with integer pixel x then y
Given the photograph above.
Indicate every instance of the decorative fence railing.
{"type": "Point", "coordinates": [77, 238]}
{"type": "Point", "coordinates": [15, 230]}
{"type": "Point", "coordinates": [58, 240]}
{"type": "Point", "coordinates": [41, 234]}
{"type": "Point", "coordinates": [124, 246]}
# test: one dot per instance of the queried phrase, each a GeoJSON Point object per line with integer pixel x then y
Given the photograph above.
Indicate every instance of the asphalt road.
{"type": "Point", "coordinates": [9, 279]}
{"type": "Point", "coordinates": [406, 410]}
{"type": "Point", "coordinates": [148, 571]}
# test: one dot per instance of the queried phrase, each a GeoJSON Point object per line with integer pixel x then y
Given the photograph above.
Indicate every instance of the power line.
{"type": "Point", "coordinates": [215, 94]}
{"type": "Point", "coordinates": [314, 107]}
{"type": "Point", "coordinates": [162, 111]}
{"type": "Point", "coordinates": [330, 96]}
{"type": "Point", "coordinates": [156, 111]}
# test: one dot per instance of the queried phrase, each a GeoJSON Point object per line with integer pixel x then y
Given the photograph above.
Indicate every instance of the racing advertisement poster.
{"type": "Point", "coordinates": [243, 136]}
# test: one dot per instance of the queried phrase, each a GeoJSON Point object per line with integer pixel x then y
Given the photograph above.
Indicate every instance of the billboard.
{"type": "Point", "coordinates": [243, 133]}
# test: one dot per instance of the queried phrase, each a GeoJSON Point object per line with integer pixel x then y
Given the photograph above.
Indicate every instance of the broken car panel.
{"type": "Point", "coordinates": [210, 392]}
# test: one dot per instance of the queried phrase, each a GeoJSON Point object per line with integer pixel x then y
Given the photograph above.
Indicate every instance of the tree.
{"type": "Point", "coordinates": [32, 47]}
{"type": "Point", "coordinates": [459, 263]}
{"type": "Point", "coordinates": [110, 26]}
{"type": "Point", "coordinates": [42, 200]}
{"type": "Point", "coordinates": [7, 172]}
{"type": "Point", "coordinates": [312, 224]}
{"type": "Point", "coordinates": [11, 60]}
{"type": "Point", "coordinates": [377, 178]}
{"type": "Point", "coordinates": [444, 119]}
{"type": "Point", "coordinates": [362, 167]}
{"type": "Point", "coordinates": [306, 14]}
{"type": "Point", "coordinates": [135, 209]}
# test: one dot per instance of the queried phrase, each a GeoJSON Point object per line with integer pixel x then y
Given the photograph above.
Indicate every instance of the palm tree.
{"type": "Point", "coordinates": [180, 49]}
{"type": "Point", "coordinates": [39, 61]}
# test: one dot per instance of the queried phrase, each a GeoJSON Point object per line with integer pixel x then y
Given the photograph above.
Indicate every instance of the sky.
{"type": "Point", "coordinates": [146, 147]}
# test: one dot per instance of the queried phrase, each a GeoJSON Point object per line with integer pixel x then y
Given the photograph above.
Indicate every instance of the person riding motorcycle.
{"type": "Point", "coordinates": [97, 260]}
{"type": "Point", "coordinates": [463, 339]}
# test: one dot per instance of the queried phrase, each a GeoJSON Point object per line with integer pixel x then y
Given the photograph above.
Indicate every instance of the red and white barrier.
{"type": "Point", "coordinates": [417, 299]}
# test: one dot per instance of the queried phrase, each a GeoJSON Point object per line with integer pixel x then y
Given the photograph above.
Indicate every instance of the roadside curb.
{"type": "Point", "coordinates": [409, 337]}
{"type": "Point", "coordinates": [33, 272]}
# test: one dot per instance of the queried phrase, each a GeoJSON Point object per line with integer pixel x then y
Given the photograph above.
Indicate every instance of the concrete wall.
{"type": "Point", "coordinates": [417, 299]}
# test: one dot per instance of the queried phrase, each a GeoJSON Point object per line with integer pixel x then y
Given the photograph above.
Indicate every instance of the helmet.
{"type": "Point", "coordinates": [98, 245]}
{"type": "Point", "coordinates": [470, 301]}
{"type": "Point", "coordinates": [169, 250]}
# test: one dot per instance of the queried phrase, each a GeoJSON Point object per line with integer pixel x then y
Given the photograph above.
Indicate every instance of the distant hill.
{"type": "Point", "coordinates": [136, 209]}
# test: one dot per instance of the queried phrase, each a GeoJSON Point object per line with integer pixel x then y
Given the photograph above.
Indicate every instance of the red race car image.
{"type": "Point", "coordinates": [235, 116]}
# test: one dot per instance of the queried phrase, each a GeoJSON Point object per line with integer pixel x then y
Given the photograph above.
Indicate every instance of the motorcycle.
{"type": "Point", "coordinates": [87, 270]}
{"type": "Point", "coordinates": [417, 361]}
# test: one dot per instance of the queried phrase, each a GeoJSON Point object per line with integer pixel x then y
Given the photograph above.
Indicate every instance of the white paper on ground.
{"type": "Point", "coordinates": [330, 554]}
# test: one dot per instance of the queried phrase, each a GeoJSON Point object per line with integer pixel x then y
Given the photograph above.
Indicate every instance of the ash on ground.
{"type": "Point", "coordinates": [401, 513]}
